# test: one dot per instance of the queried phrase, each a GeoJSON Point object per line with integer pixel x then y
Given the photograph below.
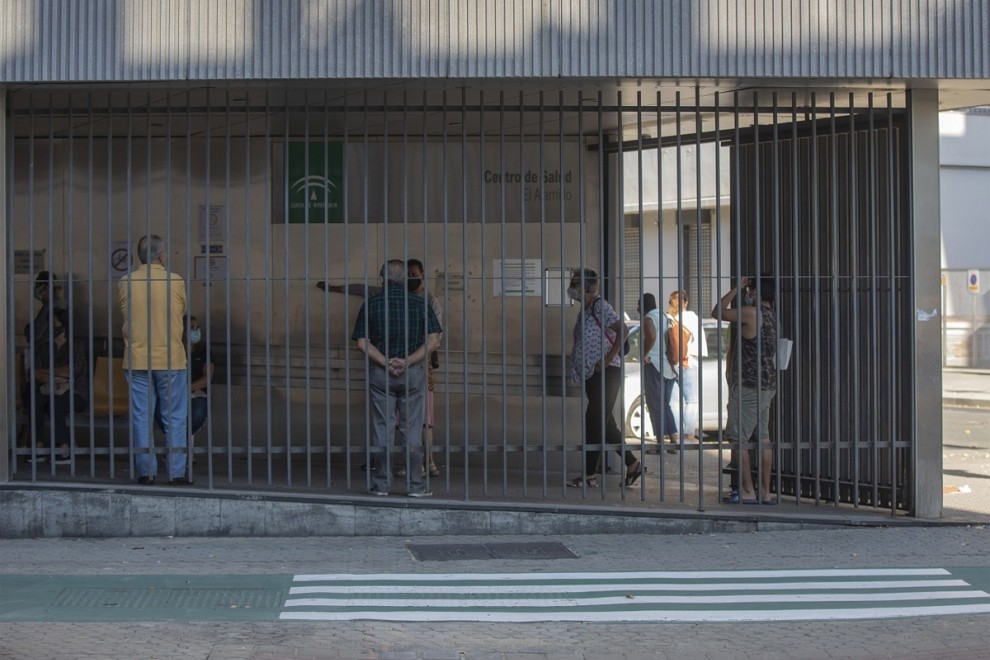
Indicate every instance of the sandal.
{"type": "Point", "coordinates": [633, 474]}
{"type": "Point", "coordinates": [434, 471]}
{"type": "Point", "coordinates": [581, 482]}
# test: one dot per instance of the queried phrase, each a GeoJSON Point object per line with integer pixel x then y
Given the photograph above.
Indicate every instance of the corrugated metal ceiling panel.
{"type": "Point", "coordinates": [153, 40]}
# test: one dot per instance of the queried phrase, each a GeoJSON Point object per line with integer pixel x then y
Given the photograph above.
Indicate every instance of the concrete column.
{"type": "Point", "coordinates": [927, 301]}
{"type": "Point", "coordinates": [7, 413]}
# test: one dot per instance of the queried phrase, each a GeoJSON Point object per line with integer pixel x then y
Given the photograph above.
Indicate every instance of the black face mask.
{"type": "Point", "coordinates": [413, 284]}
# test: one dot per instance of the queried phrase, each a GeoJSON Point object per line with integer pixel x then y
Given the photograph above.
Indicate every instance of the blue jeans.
{"type": "Point", "coordinates": [198, 408]}
{"type": "Point", "coordinates": [689, 390]}
{"type": "Point", "coordinates": [148, 390]}
{"type": "Point", "coordinates": [658, 390]}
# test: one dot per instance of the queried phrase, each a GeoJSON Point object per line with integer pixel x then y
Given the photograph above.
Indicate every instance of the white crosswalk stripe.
{"type": "Point", "coordinates": [667, 596]}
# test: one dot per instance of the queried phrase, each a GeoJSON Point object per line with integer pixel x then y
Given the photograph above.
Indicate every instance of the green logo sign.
{"type": "Point", "coordinates": [316, 182]}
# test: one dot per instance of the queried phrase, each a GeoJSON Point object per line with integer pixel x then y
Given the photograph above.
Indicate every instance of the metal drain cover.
{"type": "Point", "coordinates": [489, 551]}
{"type": "Point", "coordinates": [188, 599]}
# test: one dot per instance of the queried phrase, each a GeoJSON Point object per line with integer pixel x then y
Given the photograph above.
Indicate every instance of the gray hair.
{"type": "Point", "coordinates": [150, 248]}
{"type": "Point", "coordinates": [394, 271]}
{"type": "Point", "coordinates": [589, 276]}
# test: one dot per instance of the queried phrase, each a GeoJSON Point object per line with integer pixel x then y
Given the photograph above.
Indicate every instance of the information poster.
{"type": "Point", "coordinates": [517, 277]}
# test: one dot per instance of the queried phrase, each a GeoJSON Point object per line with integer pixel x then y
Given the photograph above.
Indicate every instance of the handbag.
{"type": "Point", "coordinates": [610, 334]}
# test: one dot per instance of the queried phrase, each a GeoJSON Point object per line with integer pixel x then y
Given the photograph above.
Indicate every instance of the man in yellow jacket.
{"type": "Point", "coordinates": [153, 302]}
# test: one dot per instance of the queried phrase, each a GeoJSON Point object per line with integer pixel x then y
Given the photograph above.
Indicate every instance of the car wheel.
{"type": "Point", "coordinates": [634, 421]}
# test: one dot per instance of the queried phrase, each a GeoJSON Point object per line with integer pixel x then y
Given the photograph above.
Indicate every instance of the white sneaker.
{"type": "Point", "coordinates": [422, 493]}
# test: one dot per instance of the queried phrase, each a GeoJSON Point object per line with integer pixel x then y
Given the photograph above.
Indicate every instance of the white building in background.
{"type": "Point", "coordinates": [964, 146]}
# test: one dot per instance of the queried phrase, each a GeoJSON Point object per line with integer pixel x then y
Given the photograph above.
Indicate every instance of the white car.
{"type": "Point", "coordinates": [711, 376]}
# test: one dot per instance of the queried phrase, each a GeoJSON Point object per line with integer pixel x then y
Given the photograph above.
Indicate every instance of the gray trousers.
{"type": "Point", "coordinates": [405, 395]}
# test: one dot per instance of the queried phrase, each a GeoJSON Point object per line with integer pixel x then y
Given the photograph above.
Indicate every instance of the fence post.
{"type": "Point", "coordinates": [926, 399]}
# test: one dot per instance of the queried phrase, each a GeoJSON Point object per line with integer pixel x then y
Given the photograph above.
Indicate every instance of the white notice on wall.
{"type": "Point", "coordinates": [517, 277]}
{"type": "Point", "coordinates": [211, 224]}
{"type": "Point", "coordinates": [214, 266]}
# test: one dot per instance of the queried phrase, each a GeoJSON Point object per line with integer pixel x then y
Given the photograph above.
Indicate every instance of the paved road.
{"type": "Point", "coordinates": [227, 598]}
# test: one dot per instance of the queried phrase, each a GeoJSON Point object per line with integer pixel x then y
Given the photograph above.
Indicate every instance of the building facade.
{"type": "Point", "coordinates": [505, 144]}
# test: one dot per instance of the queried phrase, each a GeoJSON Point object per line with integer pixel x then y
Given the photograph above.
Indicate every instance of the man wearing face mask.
{"type": "Point", "coordinates": [752, 378]}
{"type": "Point", "coordinates": [397, 332]}
{"type": "Point", "coordinates": [416, 283]}
{"type": "Point", "coordinates": [596, 361]}
{"type": "Point", "coordinates": [200, 377]}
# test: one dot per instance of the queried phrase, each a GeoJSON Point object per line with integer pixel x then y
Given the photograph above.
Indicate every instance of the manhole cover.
{"type": "Point", "coordinates": [469, 551]}
{"type": "Point", "coordinates": [190, 599]}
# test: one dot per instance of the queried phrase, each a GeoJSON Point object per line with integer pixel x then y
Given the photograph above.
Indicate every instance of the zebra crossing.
{"type": "Point", "coordinates": [626, 597]}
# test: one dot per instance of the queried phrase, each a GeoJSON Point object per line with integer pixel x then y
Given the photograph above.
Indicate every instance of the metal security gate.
{"type": "Point", "coordinates": [261, 194]}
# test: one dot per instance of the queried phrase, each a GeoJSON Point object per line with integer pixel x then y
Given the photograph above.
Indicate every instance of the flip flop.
{"type": "Point", "coordinates": [769, 502]}
{"type": "Point", "coordinates": [752, 501]}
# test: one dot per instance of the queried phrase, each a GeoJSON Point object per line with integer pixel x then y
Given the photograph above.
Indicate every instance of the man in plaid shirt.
{"type": "Point", "coordinates": [397, 330]}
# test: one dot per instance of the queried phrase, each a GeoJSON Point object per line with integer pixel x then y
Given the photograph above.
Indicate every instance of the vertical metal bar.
{"type": "Point", "coordinates": [659, 433]}
{"type": "Point", "coordinates": [208, 284]}
{"type": "Point", "coordinates": [853, 228]}
{"type": "Point", "coordinates": [404, 173]}
{"type": "Point", "coordinates": [796, 246]}
{"type": "Point", "coordinates": [130, 280]}
{"type": "Point", "coordinates": [757, 273]}
{"type": "Point", "coordinates": [268, 239]}
{"type": "Point", "coordinates": [893, 339]}
{"type": "Point", "coordinates": [522, 301]}
{"type": "Point", "coordinates": [426, 254]}
{"type": "Point", "coordinates": [327, 418]}
{"type": "Point", "coordinates": [816, 389]}
{"type": "Point", "coordinates": [543, 309]}
{"type": "Point", "coordinates": [91, 371]}
{"type": "Point", "coordinates": [8, 361]}
{"type": "Point", "coordinates": [228, 138]}
{"type": "Point", "coordinates": [32, 366]}
{"type": "Point", "coordinates": [679, 285]}
{"type": "Point", "coordinates": [640, 290]}
{"type": "Point", "coordinates": [345, 148]}
{"type": "Point", "coordinates": [484, 317]}
{"type": "Point", "coordinates": [835, 282]}
{"type": "Point", "coordinates": [188, 284]}
{"type": "Point", "coordinates": [50, 331]}
{"type": "Point", "coordinates": [287, 289]}
{"type": "Point", "coordinates": [872, 165]}
{"type": "Point", "coordinates": [699, 331]}
{"type": "Point", "coordinates": [775, 467]}
{"type": "Point", "coordinates": [445, 172]}
{"type": "Point", "coordinates": [483, 231]}
{"type": "Point", "coordinates": [305, 277]}
{"type": "Point", "coordinates": [736, 348]}
{"type": "Point", "coordinates": [365, 191]}
{"type": "Point", "coordinates": [717, 233]}
{"type": "Point", "coordinates": [385, 243]}
{"type": "Point", "coordinates": [189, 261]}
{"type": "Point", "coordinates": [111, 298]}
{"type": "Point", "coordinates": [69, 277]}
{"type": "Point", "coordinates": [564, 376]}
{"type": "Point", "coordinates": [168, 294]}
{"type": "Point", "coordinates": [502, 299]}
{"type": "Point", "coordinates": [248, 312]}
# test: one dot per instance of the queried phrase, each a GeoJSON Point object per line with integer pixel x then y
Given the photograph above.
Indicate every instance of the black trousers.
{"type": "Point", "coordinates": [602, 390]}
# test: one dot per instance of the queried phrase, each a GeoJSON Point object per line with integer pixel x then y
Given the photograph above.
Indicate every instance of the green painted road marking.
{"type": "Point", "coordinates": [142, 597]}
{"type": "Point", "coordinates": [667, 596]}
